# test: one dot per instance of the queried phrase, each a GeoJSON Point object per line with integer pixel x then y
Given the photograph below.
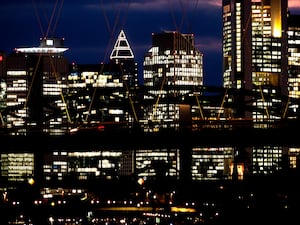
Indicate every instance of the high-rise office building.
{"type": "Point", "coordinates": [292, 111]}
{"type": "Point", "coordinates": [103, 92]}
{"type": "Point", "coordinates": [255, 60]}
{"type": "Point", "coordinates": [97, 94]}
{"type": "Point", "coordinates": [294, 59]}
{"type": "Point", "coordinates": [255, 57]}
{"type": "Point", "coordinates": [172, 68]}
{"type": "Point", "coordinates": [123, 56]}
{"type": "Point", "coordinates": [36, 80]}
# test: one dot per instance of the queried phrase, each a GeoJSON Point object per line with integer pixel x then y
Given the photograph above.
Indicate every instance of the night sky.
{"type": "Point", "coordinates": [90, 27]}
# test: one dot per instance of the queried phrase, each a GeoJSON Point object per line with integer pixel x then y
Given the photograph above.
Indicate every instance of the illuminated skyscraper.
{"type": "Point", "coordinates": [255, 56]}
{"type": "Point", "coordinates": [122, 55]}
{"type": "Point", "coordinates": [102, 91]}
{"type": "Point", "coordinates": [294, 78]}
{"type": "Point", "coordinates": [255, 59]}
{"type": "Point", "coordinates": [172, 68]}
{"type": "Point", "coordinates": [294, 59]}
{"type": "Point", "coordinates": [36, 83]}
{"type": "Point", "coordinates": [98, 94]}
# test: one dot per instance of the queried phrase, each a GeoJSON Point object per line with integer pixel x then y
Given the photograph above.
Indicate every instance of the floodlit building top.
{"type": "Point", "coordinates": [47, 45]}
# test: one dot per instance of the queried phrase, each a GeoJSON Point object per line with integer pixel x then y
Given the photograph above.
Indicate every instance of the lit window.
{"type": "Point", "coordinates": [49, 42]}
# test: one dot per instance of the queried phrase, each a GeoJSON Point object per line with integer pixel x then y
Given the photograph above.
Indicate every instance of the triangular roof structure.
{"type": "Point", "coordinates": [122, 48]}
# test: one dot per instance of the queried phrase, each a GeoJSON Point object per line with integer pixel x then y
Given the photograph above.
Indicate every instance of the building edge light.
{"type": "Point", "coordinates": [41, 50]}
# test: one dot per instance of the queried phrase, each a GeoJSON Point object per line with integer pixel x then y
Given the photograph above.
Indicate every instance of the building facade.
{"type": "Point", "coordinates": [172, 68]}
{"type": "Point", "coordinates": [36, 80]}
{"type": "Point", "coordinates": [293, 61]}
{"type": "Point", "coordinates": [255, 60]}
{"type": "Point", "coordinates": [123, 56]}
{"type": "Point", "coordinates": [105, 92]}
{"type": "Point", "coordinates": [255, 57]}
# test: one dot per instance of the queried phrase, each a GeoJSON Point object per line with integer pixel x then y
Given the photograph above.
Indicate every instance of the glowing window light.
{"type": "Point", "coordinates": [276, 18]}
{"type": "Point", "coordinates": [277, 29]}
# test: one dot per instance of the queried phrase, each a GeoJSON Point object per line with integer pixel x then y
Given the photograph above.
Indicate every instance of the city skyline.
{"type": "Point", "coordinates": [90, 28]}
{"type": "Point", "coordinates": [81, 142]}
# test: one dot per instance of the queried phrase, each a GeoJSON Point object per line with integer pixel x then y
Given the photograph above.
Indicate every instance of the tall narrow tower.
{"type": "Point", "coordinates": [294, 61]}
{"type": "Point", "coordinates": [255, 56]}
{"type": "Point", "coordinates": [122, 54]}
{"type": "Point", "coordinates": [255, 59]}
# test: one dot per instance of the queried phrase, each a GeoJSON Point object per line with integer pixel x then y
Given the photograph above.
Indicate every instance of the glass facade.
{"type": "Point", "coordinates": [87, 165]}
{"type": "Point", "coordinates": [147, 164]}
{"type": "Point", "coordinates": [267, 159]}
{"type": "Point", "coordinates": [268, 59]}
{"type": "Point", "coordinates": [111, 164]}
{"type": "Point", "coordinates": [254, 56]}
{"type": "Point", "coordinates": [172, 68]}
{"type": "Point", "coordinates": [255, 59]}
{"type": "Point", "coordinates": [294, 61]}
{"type": "Point", "coordinates": [212, 163]}
{"type": "Point", "coordinates": [157, 162]}
{"type": "Point", "coordinates": [36, 85]}
{"type": "Point", "coordinates": [96, 93]}
{"type": "Point", "coordinates": [17, 167]}
{"type": "Point", "coordinates": [104, 92]}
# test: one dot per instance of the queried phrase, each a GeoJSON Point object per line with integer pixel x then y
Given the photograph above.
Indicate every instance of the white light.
{"type": "Point", "coordinates": [41, 50]}
{"type": "Point", "coordinates": [49, 42]}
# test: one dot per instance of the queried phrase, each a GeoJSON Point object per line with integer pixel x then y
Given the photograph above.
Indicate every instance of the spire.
{"type": "Point", "coordinates": [121, 49]}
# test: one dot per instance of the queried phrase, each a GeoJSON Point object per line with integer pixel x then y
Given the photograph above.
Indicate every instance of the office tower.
{"type": "Point", "coordinates": [123, 56]}
{"type": "Point", "coordinates": [36, 84]}
{"type": "Point", "coordinates": [294, 62]}
{"type": "Point", "coordinates": [96, 94]}
{"type": "Point", "coordinates": [255, 65]}
{"type": "Point", "coordinates": [292, 111]}
{"type": "Point", "coordinates": [103, 92]}
{"type": "Point", "coordinates": [255, 57]}
{"type": "Point", "coordinates": [173, 67]}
